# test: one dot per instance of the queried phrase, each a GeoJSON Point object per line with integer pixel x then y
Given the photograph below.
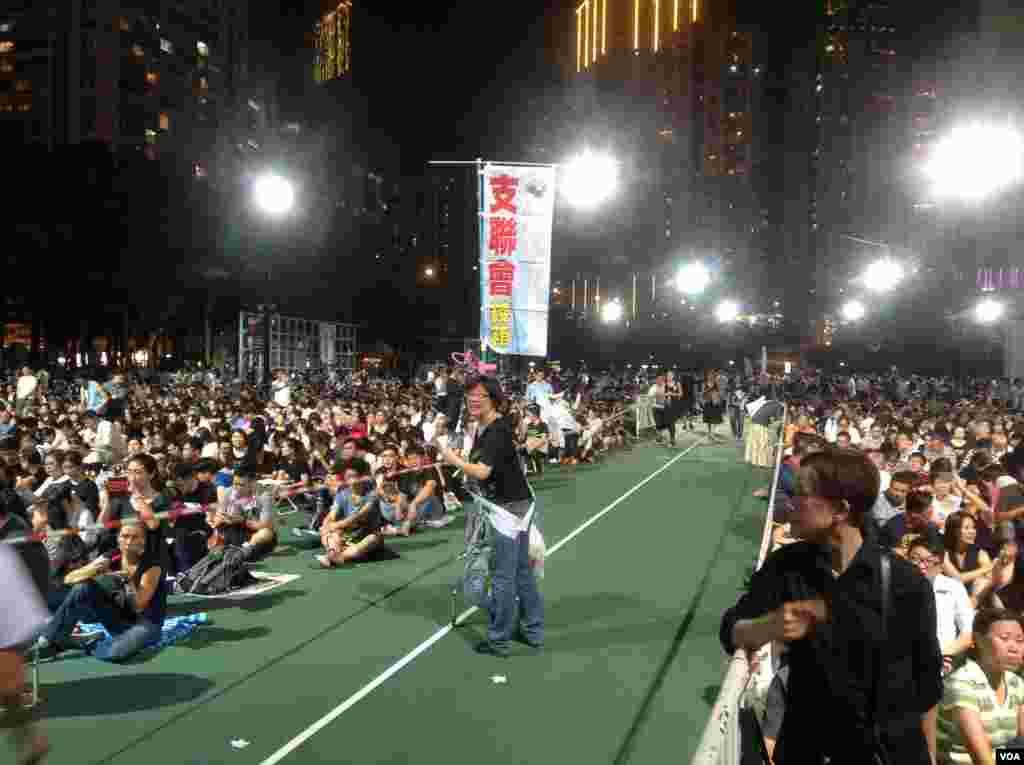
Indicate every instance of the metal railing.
{"type": "Point", "coordinates": [722, 742]}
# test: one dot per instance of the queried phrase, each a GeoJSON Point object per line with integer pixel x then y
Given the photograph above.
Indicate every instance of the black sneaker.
{"type": "Point", "coordinates": [487, 648]}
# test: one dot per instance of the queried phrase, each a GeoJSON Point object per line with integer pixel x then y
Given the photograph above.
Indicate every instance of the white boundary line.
{"type": "Point", "coordinates": [391, 671]}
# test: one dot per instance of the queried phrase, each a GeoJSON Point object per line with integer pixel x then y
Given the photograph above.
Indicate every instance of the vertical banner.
{"type": "Point", "coordinates": [516, 213]}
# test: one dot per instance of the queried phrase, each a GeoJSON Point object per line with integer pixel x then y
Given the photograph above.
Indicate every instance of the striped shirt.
{"type": "Point", "coordinates": [969, 688]}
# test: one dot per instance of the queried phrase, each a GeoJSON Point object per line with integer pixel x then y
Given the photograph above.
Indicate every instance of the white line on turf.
{"type": "Point", "coordinates": [391, 671]}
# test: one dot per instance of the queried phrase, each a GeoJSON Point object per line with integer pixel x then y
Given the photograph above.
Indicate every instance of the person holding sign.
{"type": "Point", "coordinates": [504, 501]}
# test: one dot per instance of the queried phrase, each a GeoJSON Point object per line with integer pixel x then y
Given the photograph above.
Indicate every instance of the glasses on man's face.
{"type": "Point", "coordinates": [135, 471]}
{"type": "Point", "coordinates": [923, 560]}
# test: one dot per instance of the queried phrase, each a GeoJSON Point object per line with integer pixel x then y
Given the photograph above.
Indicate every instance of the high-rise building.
{"type": "Point", "coordinates": [861, 100]}
{"type": "Point", "coordinates": [674, 84]}
{"type": "Point", "coordinates": [148, 77]}
{"type": "Point", "coordinates": [332, 39]}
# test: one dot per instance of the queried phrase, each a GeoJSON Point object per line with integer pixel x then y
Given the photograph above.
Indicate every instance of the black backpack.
{"type": "Point", "coordinates": [220, 572]}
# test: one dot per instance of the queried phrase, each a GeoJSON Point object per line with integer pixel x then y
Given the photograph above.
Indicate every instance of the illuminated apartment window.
{"type": "Point", "coordinates": [198, 170]}
{"type": "Point", "coordinates": [26, 107]}
{"type": "Point", "coordinates": [152, 78]}
{"type": "Point", "coordinates": [138, 52]}
{"type": "Point", "coordinates": [166, 46]}
{"type": "Point", "coordinates": [6, 27]}
{"type": "Point", "coordinates": [202, 49]}
{"type": "Point", "coordinates": [150, 137]}
{"type": "Point", "coordinates": [334, 43]}
{"type": "Point", "coordinates": [165, 121]}
{"type": "Point", "coordinates": [123, 24]}
{"type": "Point", "coordinates": [6, 46]}
{"type": "Point", "coordinates": [203, 85]}
{"type": "Point", "coordinates": [23, 86]}
{"type": "Point", "coordinates": [6, 67]}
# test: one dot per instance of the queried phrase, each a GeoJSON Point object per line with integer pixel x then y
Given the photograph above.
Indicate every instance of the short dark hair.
{"type": "Point", "coordinates": [490, 385]}
{"type": "Point", "coordinates": [932, 545]}
{"type": "Point", "coordinates": [918, 502]}
{"type": "Point", "coordinates": [907, 477]}
{"type": "Point", "coordinates": [845, 475]}
{"type": "Point", "coordinates": [984, 618]}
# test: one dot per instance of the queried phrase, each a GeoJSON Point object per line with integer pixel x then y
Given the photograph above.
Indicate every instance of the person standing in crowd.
{"type": "Point", "coordinates": [659, 407]}
{"type": "Point", "coordinates": [26, 390]}
{"type": "Point", "coordinates": [822, 596]}
{"type": "Point", "coordinates": [495, 472]}
{"type": "Point", "coordinates": [22, 615]}
{"type": "Point", "coordinates": [282, 388]}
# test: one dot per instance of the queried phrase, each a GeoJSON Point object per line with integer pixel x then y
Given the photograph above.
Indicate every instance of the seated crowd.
{"type": "Point", "coordinates": [951, 503]}
{"type": "Point", "coordinates": [364, 469]}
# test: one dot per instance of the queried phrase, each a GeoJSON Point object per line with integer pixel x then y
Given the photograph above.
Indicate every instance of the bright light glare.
{"type": "Point", "coordinates": [976, 161]}
{"type": "Point", "coordinates": [273, 194]}
{"type": "Point", "coordinates": [429, 272]}
{"type": "Point", "coordinates": [883, 275]}
{"type": "Point", "coordinates": [988, 311]}
{"type": "Point", "coordinates": [612, 311]}
{"type": "Point", "coordinates": [854, 310]}
{"type": "Point", "coordinates": [693, 278]}
{"type": "Point", "coordinates": [589, 179]}
{"type": "Point", "coordinates": [727, 311]}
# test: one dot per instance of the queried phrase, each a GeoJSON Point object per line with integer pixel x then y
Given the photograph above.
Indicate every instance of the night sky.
{"type": "Point", "coordinates": [432, 72]}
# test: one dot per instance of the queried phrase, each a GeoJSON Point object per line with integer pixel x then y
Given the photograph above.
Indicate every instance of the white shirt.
{"type": "Point", "coordinates": [952, 607]}
{"type": "Point", "coordinates": [26, 386]}
{"type": "Point", "coordinates": [282, 394]}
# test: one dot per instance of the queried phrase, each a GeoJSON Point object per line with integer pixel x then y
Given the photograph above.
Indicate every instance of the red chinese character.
{"type": "Point", "coordinates": [503, 237]}
{"type": "Point", "coordinates": [502, 275]}
{"type": "Point", "coordinates": [503, 187]}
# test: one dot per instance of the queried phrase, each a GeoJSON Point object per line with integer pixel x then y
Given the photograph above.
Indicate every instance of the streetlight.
{"type": "Point", "coordinates": [693, 278]}
{"type": "Point", "coordinates": [728, 310]}
{"type": "Point", "coordinates": [883, 275]}
{"type": "Point", "coordinates": [589, 179]}
{"type": "Point", "coordinates": [274, 196]}
{"type": "Point", "coordinates": [988, 311]}
{"type": "Point", "coordinates": [429, 272]}
{"type": "Point", "coordinates": [976, 161]}
{"type": "Point", "coordinates": [612, 311]}
{"type": "Point", "coordinates": [854, 310]}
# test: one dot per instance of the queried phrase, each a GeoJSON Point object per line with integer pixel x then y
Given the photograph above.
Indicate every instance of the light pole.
{"type": "Point", "coordinates": [274, 196]}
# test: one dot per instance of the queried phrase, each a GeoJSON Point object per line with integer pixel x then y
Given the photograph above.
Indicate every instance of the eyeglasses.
{"type": "Point", "coordinates": [923, 561]}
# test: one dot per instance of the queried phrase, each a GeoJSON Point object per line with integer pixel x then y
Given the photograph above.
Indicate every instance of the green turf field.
{"type": "Point", "coordinates": [628, 674]}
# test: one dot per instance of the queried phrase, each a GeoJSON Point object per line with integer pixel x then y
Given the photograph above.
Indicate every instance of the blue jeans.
{"type": "Point", "coordinates": [88, 603]}
{"type": "Point", "coordinates": [511, 575]}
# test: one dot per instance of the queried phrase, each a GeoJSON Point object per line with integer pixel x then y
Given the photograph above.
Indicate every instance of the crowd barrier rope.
{"type": "Point", "coordinates": [722, 740]}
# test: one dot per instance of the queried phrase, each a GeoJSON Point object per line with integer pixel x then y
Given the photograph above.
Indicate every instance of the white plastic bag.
{"type": "Point", "coordinates": [538, 549]}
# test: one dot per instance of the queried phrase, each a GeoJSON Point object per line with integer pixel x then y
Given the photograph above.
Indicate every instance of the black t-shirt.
{"type": "Point", "coordinates": [411, 484]}
{"type": "Point", "coordinates": [294, 470]}
{"type": "Point", "coordinates": [496, 448]}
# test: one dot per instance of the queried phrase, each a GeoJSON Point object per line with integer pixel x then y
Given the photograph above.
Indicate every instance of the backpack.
{"type": "Point", "coordinates": [220, 572]}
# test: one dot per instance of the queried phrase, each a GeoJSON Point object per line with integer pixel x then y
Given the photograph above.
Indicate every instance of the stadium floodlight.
{"type": "Point", "coordinates": [612, 311]}
{"type": "Point", "coordinates": [988, 311]}
{"type": "Point", "coordinates": [728, 310]}
{"type": "Point", "coordinates": [976, 161]}
{"type": "Point", "coordinates": [693, 278]}
{"type": "Point", "coordinates": [589, 179]}
{"type": "Point", "coordinates": [854, 310]}
{"type": "Point", "coordinates": [273, 194]}
{"type": "Point", "coordinates": [883, 275]}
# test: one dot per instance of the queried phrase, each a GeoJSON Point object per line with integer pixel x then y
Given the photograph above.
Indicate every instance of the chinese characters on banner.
{"type": "Point", "coordinates": [516, 211]}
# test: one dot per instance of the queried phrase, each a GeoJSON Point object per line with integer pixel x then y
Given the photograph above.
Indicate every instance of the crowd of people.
{"type": "Point", "coordinates": [362, 468]}
{"type": "Point", "coordinates": [928, 472]}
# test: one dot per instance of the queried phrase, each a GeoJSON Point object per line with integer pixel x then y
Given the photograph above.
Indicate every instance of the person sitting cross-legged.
{"type": "Point", "coordinates": [131, 603]}
{"type": "Point", "coordinates": [355, 536]}
{"type": "Point", "coordinates": [244, 518]}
